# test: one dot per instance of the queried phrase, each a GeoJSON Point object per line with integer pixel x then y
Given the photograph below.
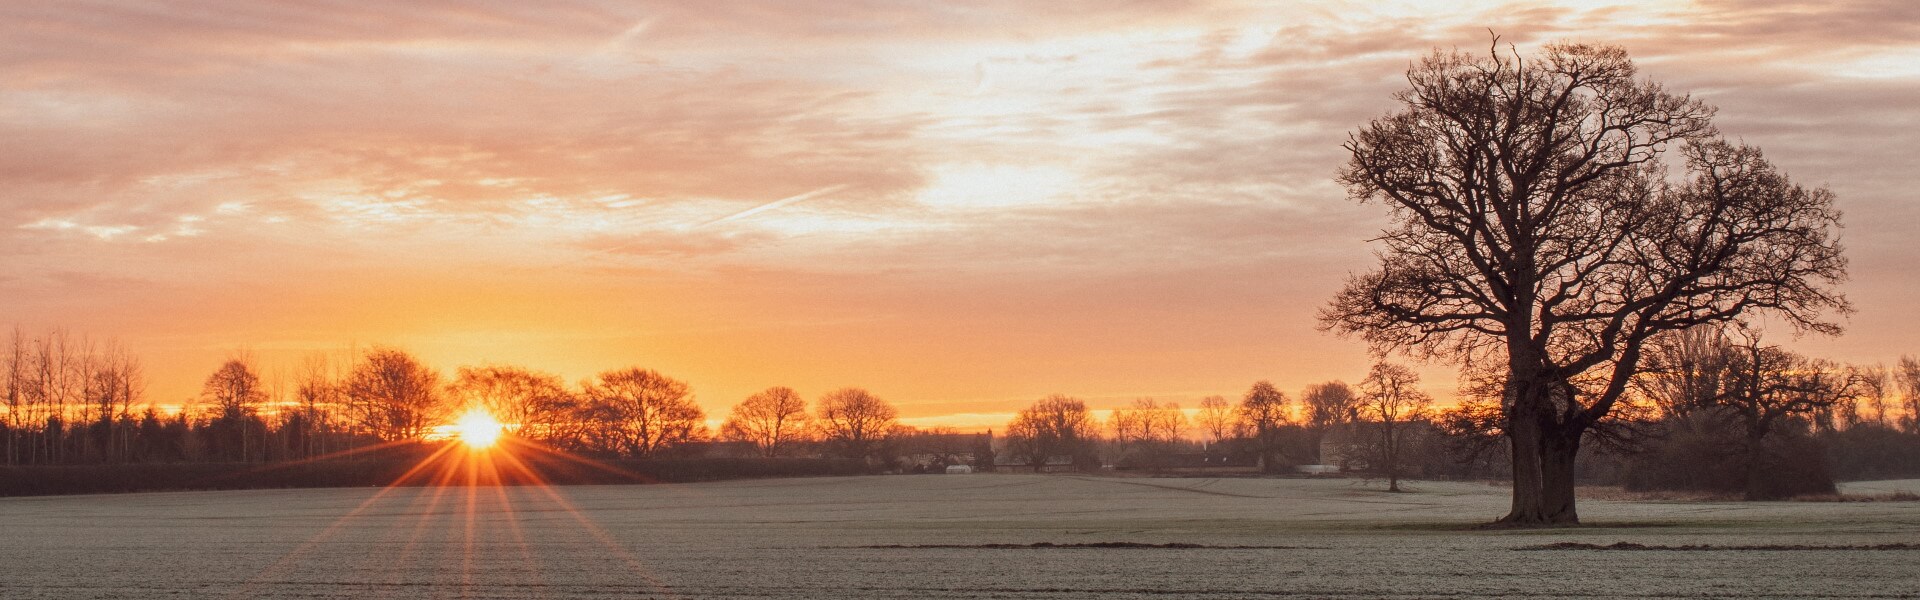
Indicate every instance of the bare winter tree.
{"type": "Point", "coordinates": [773, 420]}
{"type": "Point", "coordinates": [1390, 395]}
{"type": "Point", "coordinates": [1907, 375]}
{"type": "Point", "coordinates": [393, 395]}
{"type": "Point", "coordinates": [317, 395]}
{"type": "Point", "coordinates": [642, 412]}
{"type": "Point", "coordinates": [1262, 414]}
{"type": "Point", "coordinates": [1535, 225]}
{"type": "Point", "coordinates": [1876, 395]}
{"type": "Point", "coordinates": [1056, 425]}
{"type": "Point", "coordinates": [1685, 370]}
{"type": "Point", "coordinates": [16, 369]}
{"type": "Point", "coordinates": [1148, 429]}
{"type": "Point", "coordinates": [1216, 418]}
{"type": "Point", "coordinates": [1328, 405]}
{"type": "Point", "coordinates": [855, 422]}
{"type": "Point", "coordinates": [234, 387]}
{"type": "Point", "coordinates": [533, 405]}
{"type": "Point", "coordinates": [1766, 385]}
{"type": "Point", "coordinates": [236, 393]}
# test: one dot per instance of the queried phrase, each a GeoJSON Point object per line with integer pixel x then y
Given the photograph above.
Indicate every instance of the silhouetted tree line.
{"type": "Point", "coordinates": [1716, 409]}
{"type": "Point", "coordinates": [70, 401]}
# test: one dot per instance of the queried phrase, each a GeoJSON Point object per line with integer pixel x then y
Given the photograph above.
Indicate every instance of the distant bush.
{"type": "Point", "coordinates": [1870, 451]}
{"type": "Point", "coordinates": [1714, 460]}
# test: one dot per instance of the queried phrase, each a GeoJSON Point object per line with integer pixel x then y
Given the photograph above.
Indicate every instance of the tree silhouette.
{"type": "Point", "coordinates": [531, 404]}
{"type": "Point", "coordinates": [1535, 226]}
{"type": "Point", "coordinates": [773, 420]}
{"type": "Point", "coordinates": [641, 412]}
{"type": "Point", "coordinates": [1390, 396]}
{"type": "Point", "coordinates": [1056, 425]}
{"type": "Point", "coordinates": [1328, 405]}
{"type": "Point", "coordinates": [854, 422]}
{"type": "Point", "coordinates": [393, 395]}
{"type": "Point", "coordinates": [1263, 412]}
{"type": "Point", "coordinates": [1764, 386]}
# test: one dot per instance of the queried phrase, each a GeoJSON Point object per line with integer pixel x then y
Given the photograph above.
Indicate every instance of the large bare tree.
{"type": "Point", "coordinates": [532, 404]}
{"type": "Point", "coordinates": [1056, 425]}
{"type": "Point", "coordinates": [854, 422]}
{"type": "Point", "coordinates": [1535, 225]}
{"type": "Point", "coordinates": [392, 395]}
{"type": "Point", "coordinates": [773, 420]}
{"type": "Point", "coordinates": [641, 412]}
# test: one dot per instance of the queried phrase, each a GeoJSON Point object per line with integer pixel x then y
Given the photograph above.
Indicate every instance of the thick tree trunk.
{"type": "Point", "coordinates": [1559, 448]}
{"type": "Point", "coordinates": [1523, 432]}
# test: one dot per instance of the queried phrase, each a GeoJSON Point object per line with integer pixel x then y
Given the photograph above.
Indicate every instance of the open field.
{"type": "Point", "coordinates": [964, 537]}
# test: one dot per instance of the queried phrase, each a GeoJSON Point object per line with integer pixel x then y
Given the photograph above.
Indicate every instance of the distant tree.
{"type": "Point", "coordinates": [393, 396]}
{"type": "Point", "coordinates": [1767, 385]}
{"type": "Point", "coordinates": [854, 422]}
{"type": "Point", "coordinates": [1685, 370]}
{"type": "Point", "coordinates": [234, 388]}
{"type": "Point", "coordinates": [236, 393]}
{"type": "Point", "coordinates": [1056, 425]}
{"type": "Point", "coordinates": [1907, 375]}
{"type": "Point", "coordinates": [1876, 396]}
{"type": "Point", "coordinates": [1264, 411]}
{"type": "Point", "coordinates": [529, 403]}
{"type": "Point", "coordinates": [1216, 418]}
{"type": "Point", "coordinates": [317, 395]}
{"type": "Point", "coordinates": [1390, 395]}
{"type": "Point", "coordinates": [1328, 405]}
{"type": "Point", "coordinates": [1149, 430]}
{"type": "Point", "coordinates": [642, 413]}
{"type": "Point", "coordinates": [1535, 226]}
{"type": "Point", "coordinates": [773, 420]}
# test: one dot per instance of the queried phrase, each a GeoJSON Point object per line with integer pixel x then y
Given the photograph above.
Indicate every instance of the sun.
{"type": "Point", "coordinates": [478, 429]}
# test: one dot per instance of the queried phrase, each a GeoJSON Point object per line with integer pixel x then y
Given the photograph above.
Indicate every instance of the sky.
{"type": "Point", "coordinates": [961, 207]}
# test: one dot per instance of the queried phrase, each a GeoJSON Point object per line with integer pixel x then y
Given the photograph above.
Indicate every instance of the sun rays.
{"type": "Point", "coordinates": [463, 519]}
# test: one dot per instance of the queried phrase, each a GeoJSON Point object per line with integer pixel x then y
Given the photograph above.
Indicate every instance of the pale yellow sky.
{"type": "Point", "coordinates": [961, 207]}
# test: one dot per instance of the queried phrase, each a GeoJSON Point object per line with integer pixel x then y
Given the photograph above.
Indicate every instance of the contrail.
{"type": "Point", "coordinates": [739, 215]}
{"type": "Point", "coordinates": [774, 204]}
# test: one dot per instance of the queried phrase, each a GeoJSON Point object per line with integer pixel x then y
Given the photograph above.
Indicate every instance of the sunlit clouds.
{"type": "Point", "coordinates": [961, 207]}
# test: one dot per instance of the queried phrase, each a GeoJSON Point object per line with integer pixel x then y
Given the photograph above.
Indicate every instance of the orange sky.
{"type": "Point", "coordinates": [962, 208]}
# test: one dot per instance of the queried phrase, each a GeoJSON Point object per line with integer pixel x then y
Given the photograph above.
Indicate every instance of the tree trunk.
{"type": "Point", "coordinates": [1559, 448]}
{"type": "Point", "coordinates": [1523, 432]}
{"type": "Point", "coordinates": [1393, 459]}
{"type": "Point", "coordinates": [1756, 466]}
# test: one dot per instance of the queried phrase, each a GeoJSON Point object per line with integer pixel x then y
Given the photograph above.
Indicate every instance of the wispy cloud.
{"type": "Point", "coordinates": [1003, 198]}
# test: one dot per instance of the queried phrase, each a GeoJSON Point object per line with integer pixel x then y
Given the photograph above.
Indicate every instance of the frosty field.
{"type": "Point", "coordinates": [953, 536]}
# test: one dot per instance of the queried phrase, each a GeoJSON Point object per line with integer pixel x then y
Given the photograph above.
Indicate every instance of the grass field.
{"type": "Point", "coordinates": [972, 536]}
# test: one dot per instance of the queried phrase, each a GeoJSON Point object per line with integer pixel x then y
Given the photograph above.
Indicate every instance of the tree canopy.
{"type": "Point", "coordinates": [1536, 224]}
